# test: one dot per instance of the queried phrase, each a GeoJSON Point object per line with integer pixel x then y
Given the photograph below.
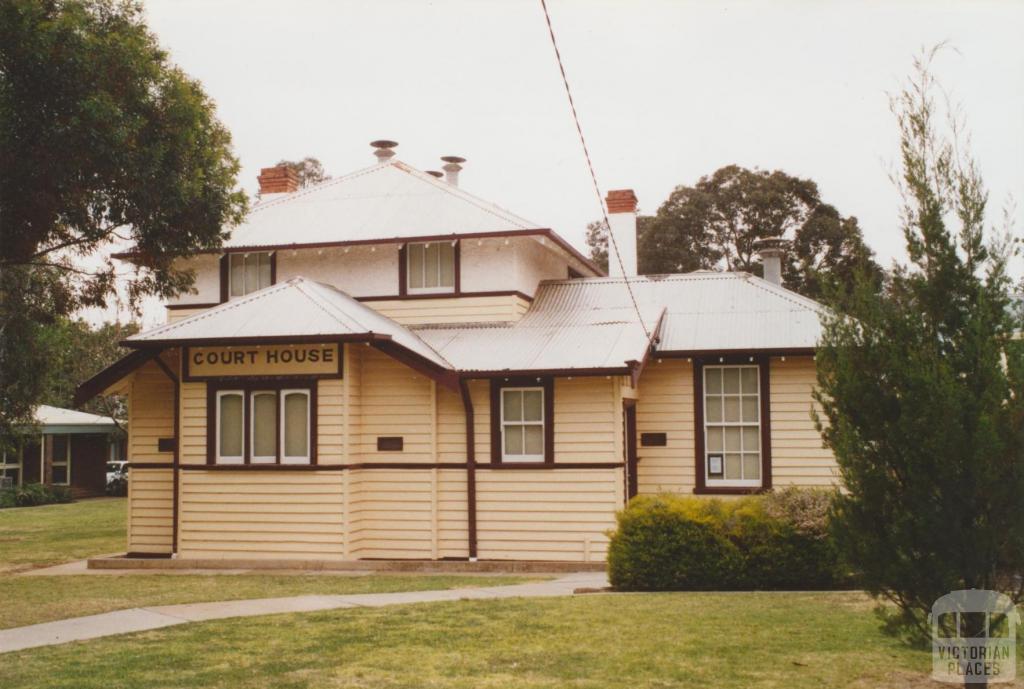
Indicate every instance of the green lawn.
{"type": "Point", "coordinates": [29, 600]}
{"type": "Point", "coordinates": [742, 640]}
{"type": "Point", "coordinates": [50, 534]}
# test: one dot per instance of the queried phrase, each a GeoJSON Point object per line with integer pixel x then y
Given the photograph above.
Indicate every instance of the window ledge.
{"type": "Point", "coordinates": [728, 490]}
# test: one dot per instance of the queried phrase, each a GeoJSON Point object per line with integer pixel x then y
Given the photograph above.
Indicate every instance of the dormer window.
{"type": "Point", "coordinates": [249, 272]}
{"type": "Point", "coordinates": [430, 267]}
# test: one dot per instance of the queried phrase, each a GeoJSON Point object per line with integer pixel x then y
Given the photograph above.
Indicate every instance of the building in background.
{"type": "Point", "coordinates": [72, 450]}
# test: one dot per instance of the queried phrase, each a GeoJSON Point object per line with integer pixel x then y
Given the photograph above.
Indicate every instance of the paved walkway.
{"type": "Point", "coordinates": [143, 619]}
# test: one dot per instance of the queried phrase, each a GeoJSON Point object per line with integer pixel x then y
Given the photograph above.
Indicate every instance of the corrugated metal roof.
{"type": "Point", "coordinates": [57, 416]}
{"type": "Point", "coordinates": [389, 199]}
{"type": "Point", "coordinates": [293, 309]}
{"type": "Point", "coordinates": [579, 324]}
{"type": "Point", "coordinates": [705, 310]}
{"type": "Point", "coordinates": [591, 323]}
{"type": "Point", "coordinates": [558, 332]}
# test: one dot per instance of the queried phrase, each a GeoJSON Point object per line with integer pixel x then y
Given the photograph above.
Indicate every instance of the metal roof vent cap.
{"type": "Point", "coordinates": [384, 149]}
{"type": "Point", "coordinates": [772, 250]}
{"type": "Point", "coordinates": [435, 173]}
{"type": "Point", "coordinates": [451, 169]}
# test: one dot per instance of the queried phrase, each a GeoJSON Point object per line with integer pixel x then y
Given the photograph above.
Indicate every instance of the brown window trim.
{"type": "Point", "coordinates": [545, 382]}
{"type": "Point", "coordinates": [225, 273]}
{"type": "Point", "coordinates": [247, 386]}
{"type": "Point", "coordinates": [763, 362]}
{"type": "Point", "coordinates": [403, 272]}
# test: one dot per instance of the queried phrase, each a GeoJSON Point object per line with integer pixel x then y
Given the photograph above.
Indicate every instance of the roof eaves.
{"type": "Point", "coordinates": [111, 374]}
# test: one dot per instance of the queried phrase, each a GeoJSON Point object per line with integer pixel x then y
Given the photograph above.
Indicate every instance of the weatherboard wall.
{"type": "Point", "coordinates": [666, 405]}
{"type": "Point", "coordinates": [798, 456]}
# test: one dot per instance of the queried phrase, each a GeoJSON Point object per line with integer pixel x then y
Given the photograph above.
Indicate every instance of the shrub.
{"type": "Point", "coordinates": [776, 541]}
{"type": "Point", "coordinates": [32, 494]}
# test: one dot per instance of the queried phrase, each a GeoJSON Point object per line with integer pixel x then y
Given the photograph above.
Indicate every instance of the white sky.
{"type": "Point", "coordinates": [667, 91]}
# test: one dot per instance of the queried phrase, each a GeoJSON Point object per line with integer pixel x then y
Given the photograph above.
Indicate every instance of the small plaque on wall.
{"type": "Point", "coordinates": [654, 439]}
{"type": "Point", "coordinates": [390, 443]}
{"type": "Point", "coordinates": [165, 445]}
{"type": "Point", "coordinates": [715, 466]}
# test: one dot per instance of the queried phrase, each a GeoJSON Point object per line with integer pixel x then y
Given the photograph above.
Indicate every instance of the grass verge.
{"type": "Point", "coordinates": [30, 600]}
{"type": "Point", "coordinates": [33, 537]}
{"type": "Point", "coordinates": [747, 640]}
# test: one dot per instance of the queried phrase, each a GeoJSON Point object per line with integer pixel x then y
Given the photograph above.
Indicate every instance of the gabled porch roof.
{"type": "Point", "coordinates": [296, 311]}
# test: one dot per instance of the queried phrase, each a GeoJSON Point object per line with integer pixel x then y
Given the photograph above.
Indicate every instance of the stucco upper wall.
{"type": "Point", "coordinates": [487, 265]}
{"type": "Point", "coordinates": [206, 289]}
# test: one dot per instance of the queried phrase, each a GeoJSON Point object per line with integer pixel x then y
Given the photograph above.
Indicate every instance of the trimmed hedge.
{"type": "Point", "coordinates": [32, 494]}
{"type": "Point", "coordinates": [777, 541]}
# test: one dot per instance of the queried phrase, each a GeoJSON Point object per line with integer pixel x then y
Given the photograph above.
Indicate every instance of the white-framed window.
{"type": "Point", "coordinates": [732, 425]}
{"type": "Point", "coordinates": [60, 448]}
{"type": "Point", "coordinates": [248, 272]}
{"type": "Point", "coordinates": [522, 424]}
{"type": "Point", "coordinates": [430, 267]}
{"type": "Point", "coordinates": [10, 467]}
{"type": "Point", "coordinates": [263, 427]}
{"type": "Point", "coordinates": [230, 435]}
{"type": "Point", "coordinates": [295, 433]}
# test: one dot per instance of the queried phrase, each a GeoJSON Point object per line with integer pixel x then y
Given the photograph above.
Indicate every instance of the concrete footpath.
{"type": "Point", "coordinates": [143, 619]}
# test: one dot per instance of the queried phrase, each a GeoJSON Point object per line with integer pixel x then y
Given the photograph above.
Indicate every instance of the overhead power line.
{"type": "Point", "coordinates": [593, 175]}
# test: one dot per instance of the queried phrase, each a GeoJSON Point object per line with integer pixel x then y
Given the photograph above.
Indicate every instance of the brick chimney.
{"type": "Point", "coordinates": [622, 225]}
{"type": "Point", "coordinates": [277, 180]}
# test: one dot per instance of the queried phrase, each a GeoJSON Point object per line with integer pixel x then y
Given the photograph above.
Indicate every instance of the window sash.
{"type": "Point", "coordinates": [254, 419]}
{"type": "Point", "coordinates": [248, 272]}
{"type": "Point", "coordinates": [520, 424]}
{"type": "Point", "coordinates": [284, 430]}
{"type": "Point", "coordinates": [723, 424]}
{"type": "Point", "coordinates": [430, 267]}
{"type": "Point", "coordinates": [218, 439]}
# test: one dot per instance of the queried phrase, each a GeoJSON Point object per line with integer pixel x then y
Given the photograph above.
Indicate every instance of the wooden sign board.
{"type": "Point", "coordinates": [322, 360]}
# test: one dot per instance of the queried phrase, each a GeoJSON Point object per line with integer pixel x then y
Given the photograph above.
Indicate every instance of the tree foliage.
{"type": "Point", "coordinates": [102, 139]}
{"type": "Point", "coordinates": [81, 352]}
{"type": "Point", "coordinates": [922, 388]}
{"type": "Point", "coordinates": [310, 170]}
{"type": "Point", "coordinates": [713, 225]}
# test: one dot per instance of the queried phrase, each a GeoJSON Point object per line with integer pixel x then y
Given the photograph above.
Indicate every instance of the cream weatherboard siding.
{"type": "Point", "coordinates": [665, 405]}
{"type": "Point", "coordinates": [193, 423]}
{"type": "Point", "coordinates": [261, 514]}
{"type": "Point", "coordinates": [798, 456]}
{"type": "Point", "coordinates": [394, 401]}
{"type": "Point", "coordinates": [587, 420]}
{"type": "Point", "coordinates": [546, 514]}
{"type": "Point", "coordinates": [150, 412]}
{"type": "Point", "coordinates": [175, 315]}
{"type": "Point", "coordinates": [465, 309]}
{"type": "Point", "coordinates": [330, 422]}
{"type": "Point", "coordinates": [150, 510]}
{"type": "Point", "coordinates": [150, 491]}
{"type": "Point", "coordinates": [392, 513]}
{"type": "Point", "coordinates": [422, 513]}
